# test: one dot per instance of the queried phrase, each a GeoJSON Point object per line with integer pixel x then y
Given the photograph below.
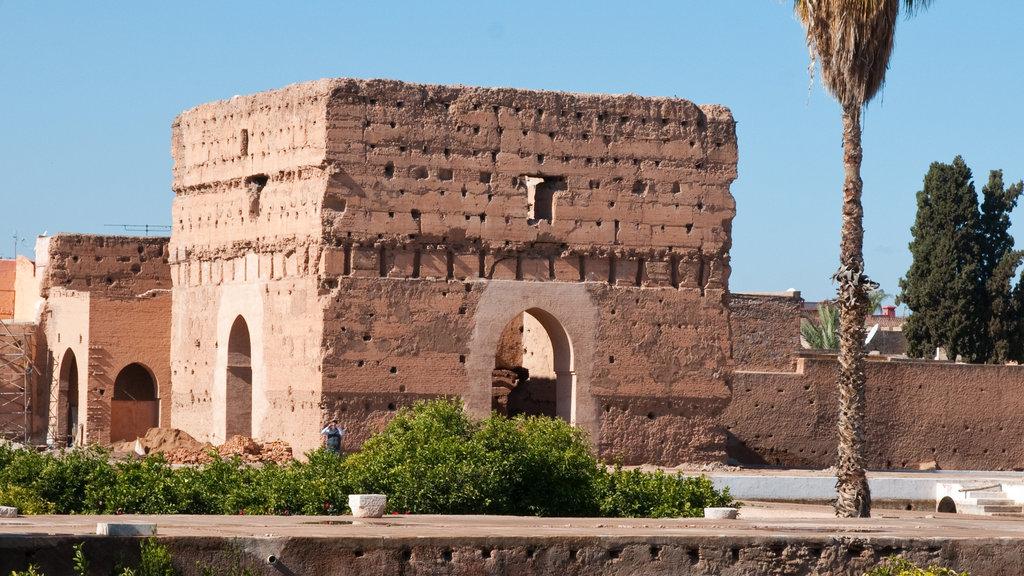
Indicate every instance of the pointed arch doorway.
{"type": "Point", "coordinates": [534, 372]}
{"type": "Point", "coordinates": [238, 417]}
{"type": "Point", "coordinates": [67, 400]}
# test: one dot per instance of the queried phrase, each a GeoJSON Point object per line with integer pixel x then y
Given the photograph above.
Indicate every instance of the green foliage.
{"type": "Point", "coordinates": [636, 494]}
{"type": "Point", "coordinates": [823, 334]}
{"type": "Point", "coordinates": [154, 559]}
{"type": "Point", "coordinates": [147, 486]}
{"type": "Point", "coordinates": [42, 484]}
{"type": "Point", "coordinates": [876, 298]}
{"type": "Point", "coordinates": [431, 458]}
{"type": "Point", "coordinates": [31, 571]}
{"type": "Point", "coordinates": [424, 461]}
{"type": "Point", "coordinates": [78, 562]}
{"type": "Point", "coordinates": [959, 286]}
{"type": "Point", "coordinates": [895, 566]}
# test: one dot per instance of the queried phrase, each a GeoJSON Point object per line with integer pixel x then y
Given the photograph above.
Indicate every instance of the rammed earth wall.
{"type": "Point", "coordinates": [369, 241]}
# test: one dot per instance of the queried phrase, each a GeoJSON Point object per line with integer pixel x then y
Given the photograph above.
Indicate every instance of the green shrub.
{"type": "Point", "coordinates": [25, 500]}
{"type": "Point", "coordinates": [319, 486]}
{"type": "Point", "coordinates": [154, 559]}
{"type": "Point", "coordinates": [637, 494]}
{"type": "Point", "coordinates": [423, 460]}
{"type": "Point", "coordinates": [431, 458]}
{"type": "Point", "coordinates": [147, 486]}
{"type": "Point", "coordinates": [895, 566]}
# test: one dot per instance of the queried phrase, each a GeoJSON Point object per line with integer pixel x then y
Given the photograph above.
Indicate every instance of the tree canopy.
{"type": "Point", "coordinates": [959, 286]}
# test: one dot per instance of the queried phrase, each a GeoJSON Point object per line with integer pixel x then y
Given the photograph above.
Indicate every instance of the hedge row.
{"type": "Point", "coordinates": [431, 459]}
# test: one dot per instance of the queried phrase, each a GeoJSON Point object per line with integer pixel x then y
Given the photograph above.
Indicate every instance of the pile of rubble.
{"type": "Point", "coordinates": [179, 447]}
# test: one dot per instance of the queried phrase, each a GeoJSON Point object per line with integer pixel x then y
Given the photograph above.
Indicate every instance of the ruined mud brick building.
{"type": "Point", "coordinates": [106, 330]}
{"type": "Point", "coordinates": [342, 248]}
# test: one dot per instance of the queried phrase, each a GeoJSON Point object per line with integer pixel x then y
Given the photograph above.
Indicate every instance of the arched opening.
{"type": "Point", "coordinates": [67, 400]}
{"type": "Point", "coordinates": [238, 420]}
{"type": "Point", "coordinates": [533, 368]}
{"type": "Point", "coordinates": [946, 505]}
{"type": "Point", "coordinates": [135, 406]}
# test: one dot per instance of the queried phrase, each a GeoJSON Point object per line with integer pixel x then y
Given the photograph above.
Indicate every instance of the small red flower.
{"type": "Point", "coordinates": [241, 512]}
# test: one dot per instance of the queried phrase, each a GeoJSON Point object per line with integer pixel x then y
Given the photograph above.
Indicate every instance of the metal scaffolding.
{"type": "Point", "coordinates": [16, 371]}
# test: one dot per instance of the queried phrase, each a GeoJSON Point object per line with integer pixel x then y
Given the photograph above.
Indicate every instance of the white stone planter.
{"type": "Point", "coordinates": [8, 512]}
{"type": "Point", "coordinates": [367, 505]}
{"type": "Point", "coordinates": [720, 513]}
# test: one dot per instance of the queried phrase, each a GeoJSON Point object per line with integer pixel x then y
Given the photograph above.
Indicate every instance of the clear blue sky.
{"type": "Point", "coordinates": [90, 90]}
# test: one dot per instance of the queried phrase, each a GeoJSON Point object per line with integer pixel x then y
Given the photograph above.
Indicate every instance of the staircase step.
{"type": "Point", "coordinates": [1003, 508]}
{"type": "Point", "coordinates": [994, 502]}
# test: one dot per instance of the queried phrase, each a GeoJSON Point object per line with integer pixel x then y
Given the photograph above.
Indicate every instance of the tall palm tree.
{"type": "Point", "coordinates": [852, 41]}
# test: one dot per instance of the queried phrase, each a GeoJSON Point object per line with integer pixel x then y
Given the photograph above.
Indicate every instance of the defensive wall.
{"type": "Point", "coordinates": [342, 248]}
{"type": "Point", "coordinates": [960, 416]}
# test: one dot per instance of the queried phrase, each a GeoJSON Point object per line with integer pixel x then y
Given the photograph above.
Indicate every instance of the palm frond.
{"type": "Point", "coordinates": [852, 40]}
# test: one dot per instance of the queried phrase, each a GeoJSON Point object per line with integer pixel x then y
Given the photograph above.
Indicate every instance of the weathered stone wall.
{"type": "Point", "coordinates": [961, 416]}
{"type": "Point", "coordinates": [249, 177]}
{"type": "Point", "coordinates": [123, 332]}
{"type": "Point", "coordinates": [421, 220]}
{"type": "Point", "coordinates": [283, 322]}
{"type": "Point", "coordinates": [765, 330]}
{"type": "Point", "coordinates": [108, 305]}
{"type": "Point", "coordinates": [804, 553]}
{"type": "Point", "coordinates": [111, 265]}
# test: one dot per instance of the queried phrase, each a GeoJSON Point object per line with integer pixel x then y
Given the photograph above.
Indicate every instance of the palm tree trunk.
{"type": "Point", "coordinates": [854, 498]}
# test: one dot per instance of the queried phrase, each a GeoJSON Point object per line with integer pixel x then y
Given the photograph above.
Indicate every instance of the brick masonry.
{"type": "Point", "coordinates": [377, 237]}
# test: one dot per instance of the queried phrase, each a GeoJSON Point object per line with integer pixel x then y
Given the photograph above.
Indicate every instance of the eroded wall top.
{"type": "Point", "coordinates": [117, 266]}
{"type": "Point", "coordinates": [457, 165]}
{"type": "Point", "coordinates": [384, 163]}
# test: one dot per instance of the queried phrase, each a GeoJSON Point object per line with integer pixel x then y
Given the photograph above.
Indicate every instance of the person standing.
{"type": "Point", "coordinates": [334, 435]}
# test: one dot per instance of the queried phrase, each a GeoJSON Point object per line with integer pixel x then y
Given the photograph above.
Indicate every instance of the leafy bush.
{"type": "Point", "coordinates": [154, 559]}
{"type": "Point", "coordinates": [899, 567]}
{"type": "Point", "coordinates": [637, 494]}
{"type": "Point", "coordinates": [432, 458]}
{"type": "Point", "coordinates": [424, 461]}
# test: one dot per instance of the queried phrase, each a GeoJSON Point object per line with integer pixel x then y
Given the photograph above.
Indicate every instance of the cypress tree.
{"type": "Point", "coordinates": [959, 286]}
{"type": "Point", "coordinates": [999, 262]}
{"type": "Point", "coordinates": [943, 287]}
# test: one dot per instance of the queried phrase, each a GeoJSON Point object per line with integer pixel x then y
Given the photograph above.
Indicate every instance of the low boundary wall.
{"type": "Point", "coordinates": [963, 417]}
{"type": "Point", "coordinates": [725, 555]}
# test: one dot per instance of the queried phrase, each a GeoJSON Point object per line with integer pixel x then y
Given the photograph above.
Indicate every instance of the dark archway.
{"type": "Point", "coordinates": [238, 419]}
{"type": "Point", "coordinates": [533, 368]}
{"type": "Point", "coordinates": [135, 406]}
{"type": "Point", "coordinates": [67, 399]}
{"type": "Point", "coordinates": [946, 505]}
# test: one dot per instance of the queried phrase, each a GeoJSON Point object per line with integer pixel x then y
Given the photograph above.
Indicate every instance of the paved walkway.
{"type": "Point", "coordinates": [756, 519]}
